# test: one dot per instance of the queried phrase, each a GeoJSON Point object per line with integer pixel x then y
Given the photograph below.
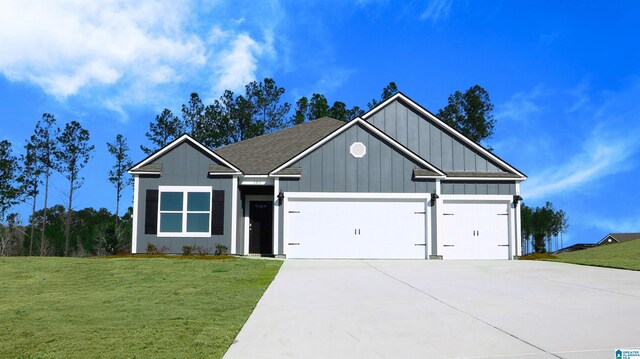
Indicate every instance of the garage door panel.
{"type": "Point", "coordinates": [355, 229]}
{"type": "Point", "coordinates": [474, 230]}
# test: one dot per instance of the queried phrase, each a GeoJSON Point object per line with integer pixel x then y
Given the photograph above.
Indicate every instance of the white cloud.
{"type": "Point", "coordinates": [630, 224]}
{"type": "Point", "coordinates": [237, 64]}
{"type": "Point", "coordinates": [599, 158]}
{"type": "Point", "coordinates": [581, 96]}
{"type": "Point", "coordinates": [121, 53]}
{"type": "Point", "coordinates": [65, 46]}
{"type": "Point", "coordinates": [437, 9]}
{"type": "Point", "coordinates": [520, 107]}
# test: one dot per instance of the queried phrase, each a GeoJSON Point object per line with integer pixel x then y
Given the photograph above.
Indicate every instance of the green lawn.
{"type": "Point", "coordinates": [624, 255]}
{"type": "Point", "coordinates": [126, 307]}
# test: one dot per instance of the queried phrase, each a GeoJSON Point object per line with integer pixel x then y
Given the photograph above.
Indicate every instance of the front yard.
{"type": "Point", "coordinates": [126, 307]}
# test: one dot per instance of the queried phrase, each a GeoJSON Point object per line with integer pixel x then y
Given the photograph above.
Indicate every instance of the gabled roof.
{"type": "Point", "coordinates": [421, 110]}
{"type": "Point", "coordinates": [359, 121]}
{"type": "Point", "coordinates": [261, 155]}
{"type": "Point", "coordinates": [153, 169]}
{"type": "Point", "coordinates": [620, 237]}
{"type": "Point", "coordinates": [140, 167]}
{"type": "Point", "coordinates": [468, 175]}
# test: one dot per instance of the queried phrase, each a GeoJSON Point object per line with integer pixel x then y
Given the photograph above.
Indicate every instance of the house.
{"type": "Point", "coordinates": [394, 183]}
{"type": "Point", "coordinates": [618, 238]}
{"type": "Point", "coordinates": [575, 247]}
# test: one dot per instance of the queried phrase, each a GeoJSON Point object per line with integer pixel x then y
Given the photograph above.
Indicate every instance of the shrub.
{"type": "Point", "coordinates": [188, 250]}
{"type": "Point", "coordinates": [221, 249]}
{"type": "Point", "coordinates": [151, 248]}
{"type": "Point", "coordinates": [111, 240]}
{"type": "Point", "coordinates": [202, 251]}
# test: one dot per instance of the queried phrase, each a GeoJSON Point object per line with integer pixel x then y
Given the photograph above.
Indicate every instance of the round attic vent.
{"type": "Point", "coordinates": [358, 150]}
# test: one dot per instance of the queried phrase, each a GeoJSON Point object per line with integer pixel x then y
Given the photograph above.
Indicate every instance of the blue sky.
{"type": "Point", "coordinates": [564, 78]}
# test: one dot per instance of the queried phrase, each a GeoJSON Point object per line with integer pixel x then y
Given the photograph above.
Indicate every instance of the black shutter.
{"type": "Point", "coordinates": [217, 213]}
{"type": "Point", "coordinates": [151, 212]}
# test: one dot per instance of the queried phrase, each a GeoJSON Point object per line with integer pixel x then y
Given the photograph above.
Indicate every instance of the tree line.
{"type": "Point", "coordinates": [260, 109]}
{"type": "Point", "coordinates": [59, 230]}
{"type": "Point", "coordinates": [540, 225]}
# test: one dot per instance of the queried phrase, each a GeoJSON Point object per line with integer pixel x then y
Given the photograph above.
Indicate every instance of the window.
{"type": "Point", "coordinates": [184, 211]}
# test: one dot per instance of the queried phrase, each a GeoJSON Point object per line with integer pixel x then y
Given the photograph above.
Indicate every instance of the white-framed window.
{"type": "Point", "coordinates": [184, 211]}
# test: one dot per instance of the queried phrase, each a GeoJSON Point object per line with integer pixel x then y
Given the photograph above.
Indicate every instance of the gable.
{"type": "Point", "coordinates": [185, 160]}
{"type": "Point", "coordinates": [432, 140]}
{"type": "Point", "coordinates": [153, 165]}
{"type": "Point", "coordinates": [332, 168]}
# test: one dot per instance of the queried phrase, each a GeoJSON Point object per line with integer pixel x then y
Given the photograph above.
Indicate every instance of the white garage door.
{"type": "Point", "coordinates": [360, 228]}
{"type": "Point", "coordinates": [472, 230]}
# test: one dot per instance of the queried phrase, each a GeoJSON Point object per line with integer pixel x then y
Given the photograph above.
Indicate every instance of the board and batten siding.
{"type": "Point", "coordinates": [331, 168]}
{"type": "Point", "coordinates": [478, 187]}
{"type": "Point", "coordinates": [185, 165]}
{"type": "Point", "coordinates": [429, 140]}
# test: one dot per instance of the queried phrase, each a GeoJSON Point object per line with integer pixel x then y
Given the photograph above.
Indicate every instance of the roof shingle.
{"type": "Point", "coordinates": [261, 155]}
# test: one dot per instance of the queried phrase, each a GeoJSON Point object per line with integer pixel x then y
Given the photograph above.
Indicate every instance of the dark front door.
{"type": "Point", "coordinates": [261, 227]}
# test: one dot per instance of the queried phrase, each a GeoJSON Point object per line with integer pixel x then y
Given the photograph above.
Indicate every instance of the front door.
{"type": "Point", "coordinates": [260, 227]}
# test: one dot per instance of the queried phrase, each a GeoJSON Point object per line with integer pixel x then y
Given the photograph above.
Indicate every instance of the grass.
{"type": "Point", "coordinates": [624, 255]}
{"type": "Point", "coordinates": [126, 307]}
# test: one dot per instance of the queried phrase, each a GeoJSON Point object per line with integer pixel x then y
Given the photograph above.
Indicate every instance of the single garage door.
{"type": "Point", "coordinates": [355, 228]}
{"type": "Point", "coordinates": [474, 230]}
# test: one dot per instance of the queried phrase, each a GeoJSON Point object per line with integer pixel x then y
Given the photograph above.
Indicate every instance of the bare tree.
{"type": "Point", "coordinates": [29, 180]}
{"type": "Point", "coordinates": [118, 173]}
{"type": "Point", "coordinates": [44, 143]}
{"type": "Point", "coordinates": [72, 155]}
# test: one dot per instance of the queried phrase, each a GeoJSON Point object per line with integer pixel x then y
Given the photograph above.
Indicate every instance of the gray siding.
{"type": "Point", "coordinates": [478, 187]}
{"type": "Point", "coordinates": [331, 168]}
{"type": "Point", "coordinates": [429, 141]}
{"type": "Point", "coordinates": [185, 165]}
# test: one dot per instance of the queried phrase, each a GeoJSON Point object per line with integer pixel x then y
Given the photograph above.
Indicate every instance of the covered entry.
{"type": "Point", "coordinates": [357, 227]}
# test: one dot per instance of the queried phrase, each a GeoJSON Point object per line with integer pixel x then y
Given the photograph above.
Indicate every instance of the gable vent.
{"type": "Point", "coordinates": [358, 150]}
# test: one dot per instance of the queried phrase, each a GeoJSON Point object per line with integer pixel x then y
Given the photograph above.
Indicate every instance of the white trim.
{"type": "Point", "coordinates": [134, 230]}
{"type": "Point", "coordinates": [501, 179]}
{"type": "Point", "coordinates": [234, 215]}
{"type": "Point", "coordinates": [185, 190]}
{"type": "Point", "coordinates": [235, 174]}
{"type": "Point", "coordinates": [174, 144]}
{"type": "Point", "coordinates": [256, 182]}
{"type": "Point", "coordinates": [285, 205]}
{"type": "Point", "coordinates": [429, 177]}
{"type": "Point", "coordinates": [285, 176]}
{"type": "Point", "coordinates": [518, 219]}
{"type": "Point", "coordinates": [247, 216]}
{"type": "Point", "coordinates": [144, 173]}
{"type": "Point", "coordinates": [438, 187]}
{"type": "Point", "coordinates": [427, 229]}
{"type": "Point", "coordinates": [369, 127]}
{"type": "Point", "coordinates": [477, 197]}
{"type": "Point", "coordinates": [506, 199]}
{"type": "Point", "coordinates": [355, 195]}
{"type": "Point", "coordinates": [276, 216]}
{"type": "Point", "coordinates": [451, 130]}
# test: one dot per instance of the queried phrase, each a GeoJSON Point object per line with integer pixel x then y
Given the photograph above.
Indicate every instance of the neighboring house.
{"type": "Point", "coordinates": [395, 183]}
{"type": "Point", "coordinates": [575, 247]}
{"type": "Point", "coordinates": [618, 238]}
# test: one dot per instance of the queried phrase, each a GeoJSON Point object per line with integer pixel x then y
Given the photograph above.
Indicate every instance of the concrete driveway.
{"type": "Point", "coordinates": [443, 309]}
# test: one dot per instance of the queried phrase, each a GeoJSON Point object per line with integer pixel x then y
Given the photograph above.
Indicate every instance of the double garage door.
{"type": "Point", "coordinates": [356, 228]}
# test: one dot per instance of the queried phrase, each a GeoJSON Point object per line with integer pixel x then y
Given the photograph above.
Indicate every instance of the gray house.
{"type": "Point", "coordinates": [394, 183]}
{"type": "Point", "coordinates": [618, 238]}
